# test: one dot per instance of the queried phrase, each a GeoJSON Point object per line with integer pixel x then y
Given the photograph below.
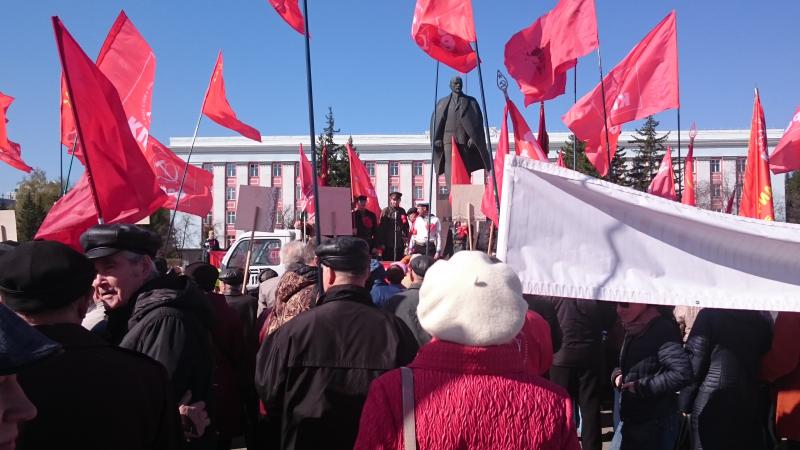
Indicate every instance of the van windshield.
{"type": "Point", "coordinates": [266, 252]}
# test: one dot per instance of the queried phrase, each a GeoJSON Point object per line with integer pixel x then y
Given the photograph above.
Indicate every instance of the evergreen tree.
{"type": "Point", "coordinates": [792, 183]}
{"type": "Point", "coordinates": [338, 162]}
{"type": "Point", "coordinates": [648, 152]}
{"type": "Point", "coordinates": [35, 197]}
{"type": "Point", "coordinates": [618, 165]}
{"type": "Point", "coordinates": [619, 168]}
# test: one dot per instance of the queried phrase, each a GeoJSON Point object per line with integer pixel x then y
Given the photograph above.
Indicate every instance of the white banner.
{"type": "Point", "coordinates": [570, 235]}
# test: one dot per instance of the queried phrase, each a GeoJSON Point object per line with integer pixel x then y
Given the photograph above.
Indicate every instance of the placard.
{"type": "Point", "coordinates": [8, 225]}
{"type": "Point", "coordinates": [262, 199]}
{"type": "Point", "coordinates": [467, 202]}
{"type": "Point", "coordinates": [336, 214]}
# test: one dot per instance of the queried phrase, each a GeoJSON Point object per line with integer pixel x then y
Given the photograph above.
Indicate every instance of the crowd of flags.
{"type": "Point", "coordinates": [106, 116]}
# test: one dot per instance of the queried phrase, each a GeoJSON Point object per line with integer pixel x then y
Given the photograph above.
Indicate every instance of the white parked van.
{"type": "Point", "coordinates": [266, 253]}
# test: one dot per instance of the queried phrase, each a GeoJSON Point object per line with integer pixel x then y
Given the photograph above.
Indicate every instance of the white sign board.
{"type": "Point", "coordinates": [8, 225]}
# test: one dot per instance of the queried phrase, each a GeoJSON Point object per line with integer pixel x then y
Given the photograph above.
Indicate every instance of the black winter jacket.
{"type": "Point", "coordinates": [581, 323]}
{"type": "Point", "coordinates": [656, 362]}
{"type": "Point", "coordinates": [404, 305]}
{"type": "Point", "coordinates": [314, 372]}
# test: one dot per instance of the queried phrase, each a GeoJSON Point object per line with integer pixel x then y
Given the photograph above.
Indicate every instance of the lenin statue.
{"type": "Point", "coordinates": [458, 115]}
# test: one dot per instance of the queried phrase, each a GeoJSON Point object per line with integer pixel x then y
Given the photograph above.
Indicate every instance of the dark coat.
{"type": "Point", "coordinates": [171, 322]}
{"type": "Point", "coordinates": [582, 323]}
{"type": "Point", "coordinates": [404, 305]}
{"type": "Point", "coordinates": [393, 225]}
{"type": "Point", "coordinates": [656, 362]}
{"type": "Point", "coordinates": [725, 347]}
{"type": "Point", "coordinates": [366, 225]}
{"type": "Point", "coordinates": [313, 374]}
{"type": "Point", "coordinates": [97, 396]}
{"type": "Point", "coordinates": [246, 307]}
{"type": "Point", "coordinates": [474, 158]}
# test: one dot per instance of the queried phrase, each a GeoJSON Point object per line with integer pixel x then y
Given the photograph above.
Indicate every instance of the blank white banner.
{"type": "Point", "coordinates": [570, 235]}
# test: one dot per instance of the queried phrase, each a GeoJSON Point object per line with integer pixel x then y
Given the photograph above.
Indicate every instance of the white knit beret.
{"type": "Point", "coordinates": [471, 300]}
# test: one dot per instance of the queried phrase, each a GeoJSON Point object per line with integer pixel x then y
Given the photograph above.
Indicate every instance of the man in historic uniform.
{"type": "Point", "coordinates": [459, 116]}
{"type": "Point", "coordinates": [393, 229]}
{"type": "Point", "coordinates": [365, 223]}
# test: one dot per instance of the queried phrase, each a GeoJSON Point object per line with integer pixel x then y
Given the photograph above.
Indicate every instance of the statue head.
{"type": "Point", "coordinates": [455, 84]}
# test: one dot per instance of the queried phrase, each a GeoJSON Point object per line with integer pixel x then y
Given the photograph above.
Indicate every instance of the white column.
{"type": "Point", "coordinates": [406, 184]}
{"type": "Point", "coordinates": [218, 208]}
{"type": "Point", "coordinates": [382, 182]}
{"type": "Point", "coordinates": [265, 174]}
{"type": "Point", "coordinates": [242, 176]}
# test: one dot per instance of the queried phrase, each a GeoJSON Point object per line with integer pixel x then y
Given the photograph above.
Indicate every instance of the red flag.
{"type": "Point", "coordinates": [10, 151]}
{"type": "Point", "coordinates": [729, 206]}
{"type": "Point", "coordinates": [644, 83]}
{"type": "Point", "coordinates": [289, 10]}
{"type": "Point", "coordinates": [217, 108]}
{"type": "Point", "coordinates": [68, 131]}
{"type": "Point", "coordinates": [360, 183]}
{"type": "Point", "coordinates": [196, 196]}
{"type": "Point", "coordinates": [543, 139]}
{"type": "Point", "coordinates": [458, 172]}
{"type": "Point", "coordinates": [123, 182]}
{"type": "Point", "coordinates": [525, 142]}
{"type": "Point", "coordinates": [444, 29]}
{"type": "Point", "coordinates": [663, 184]}
{"type": "Point", "coordinates": [786, 156]}
{"type": "Point", "coordinates": [306, 184]}
{"type": "Point", "coordinates": [560, 160]}
{"type": "Point", "coordinates": [757, 189]}
{"type": "Point", "coordinates": [539, 56]}
{"type": "Point", "coordinates": [688, 197]}
{"type": "Point", "coordinates": [323, 179]}
{"type": "Point", "coordinates": [488, 204]}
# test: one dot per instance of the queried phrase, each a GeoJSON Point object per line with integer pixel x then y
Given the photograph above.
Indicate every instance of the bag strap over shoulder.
{"type": "Point", "coordinates": [409, 419]}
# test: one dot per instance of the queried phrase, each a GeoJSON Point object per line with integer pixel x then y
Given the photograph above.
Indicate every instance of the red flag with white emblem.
{"type": "Point", "coordinates": [525, 142]}
{"type": "Point", "coordinates": [444, 29]}
{"type": "Point", "coordinates": [195, 196]}
{"type": "Point", "coordinates": [663, 184]}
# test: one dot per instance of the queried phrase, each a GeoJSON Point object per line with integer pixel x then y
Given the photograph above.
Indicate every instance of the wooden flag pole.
{"type": "Point", "coordinates": [250, 249]}
{"type": "Point", "coordinates": [469, 225]}
{"type": "Point", "coordinates": [491, 238]}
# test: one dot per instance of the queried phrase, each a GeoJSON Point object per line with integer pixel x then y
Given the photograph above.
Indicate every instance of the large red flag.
{"type": "Point", "coordinates": [217, 108]}
{"type": "Point", "coordinates": [688, 197]}
{"type": "Point", "coordinates": [488, 204]}
{"type": "Point", "coordinates": [444, 29]}
{"type": "Point", "coordinates": [525, 142]}
{"type": "Point", "coordinates": [663, 184]}
{"type": "Point", "coordinates": [69, 133]}
{"type": "Point", "coordinates": [644, 83]}
{"type": "Point", "coordinates": [306, 184]}
{"type": "Point", "coordinates": [122, 181]}
{"type": "Point", "coordinates": [195, 196]}
{"type": "Point", "coordinates": [786, 156]}
{"type": "Point", "coordinates": [10, 151]}
{"type": "Point", "coordinates": [539, 56]}
{"type": "Point", "coordinates": [290, 11]}
{"type": "Point", "coordinates": [360, 183]}
{"type": "Point", "coordinates": [458, 172]}
{"type": "Point", "coordinates": [757, 189]}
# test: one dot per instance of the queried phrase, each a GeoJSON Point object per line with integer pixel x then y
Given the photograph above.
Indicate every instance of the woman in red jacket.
{"type": "Point", "coordinates": [474, 385]}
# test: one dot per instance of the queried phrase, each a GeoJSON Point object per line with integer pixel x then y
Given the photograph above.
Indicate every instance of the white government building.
{"type": "Point", "coordinates": [402, 163]}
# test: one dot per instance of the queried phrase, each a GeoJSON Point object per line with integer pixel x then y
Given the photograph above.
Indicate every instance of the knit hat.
{"type": "Point", "coordinates": [471, 300]}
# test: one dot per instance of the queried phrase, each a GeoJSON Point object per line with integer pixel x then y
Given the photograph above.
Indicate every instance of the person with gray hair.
{"type": "Point", "coordinates": [293, 255]}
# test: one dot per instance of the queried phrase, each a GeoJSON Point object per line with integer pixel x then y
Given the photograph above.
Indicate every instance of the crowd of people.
{"type": "Point", "coordinates": [104, 348]}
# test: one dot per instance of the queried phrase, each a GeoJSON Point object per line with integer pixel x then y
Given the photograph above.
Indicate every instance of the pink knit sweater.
{"type": "Point", "coordinates": [470, 398]}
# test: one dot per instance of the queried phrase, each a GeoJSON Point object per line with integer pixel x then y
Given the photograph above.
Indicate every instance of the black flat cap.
{"type": "Point", "coordinates": [344, 253]}
{"type": "Point", "coordinates": [20, 344]}
{"type": "Point", "coordinates": [233, 276]}
{"type": "Point", "coordinates": [395, 194]}
{"type": "Point", "coordinates": [361, 198]}
{"type": "Point", "coordinates": [105, 240]}
{"type": "Point", "coordinates": [204, 275]}
{"type": "Point", "coordinates": [43, 275]}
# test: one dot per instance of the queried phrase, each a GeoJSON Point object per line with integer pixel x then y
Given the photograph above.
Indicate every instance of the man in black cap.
{"type": "Point", "coordinates": [393, 229]}
{"type": "Point", "coordinates": [165, 317]}
{"type": "Point", "coordinates": [365, 224]}
{"type": "Point", "coordinates": [50, 286]}
{"type": "Point", "coordinates": [314, 372]}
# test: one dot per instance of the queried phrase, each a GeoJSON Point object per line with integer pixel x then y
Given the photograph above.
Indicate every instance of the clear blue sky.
{"type": "Point", "coordinates": [367, 67]}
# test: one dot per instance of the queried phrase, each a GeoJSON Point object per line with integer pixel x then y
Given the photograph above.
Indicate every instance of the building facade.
{"type": "Point", "coordinates": [402, 163]}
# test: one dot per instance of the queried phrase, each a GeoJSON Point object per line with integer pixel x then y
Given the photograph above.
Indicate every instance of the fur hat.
{"type": "Point", "coordinates": [471, 300]}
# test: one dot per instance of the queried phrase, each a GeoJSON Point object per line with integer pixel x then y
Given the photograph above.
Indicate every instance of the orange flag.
{"type": "Point", "coordinates": [360, 183]}
{"type": "Point", "coordinates": [217, 108]}
{"type": "Point", "coordinates": [757, 190]}
{"type": "Point", "coordinates": [688, 197]}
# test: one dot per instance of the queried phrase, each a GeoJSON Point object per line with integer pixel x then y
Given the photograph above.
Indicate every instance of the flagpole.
{"type": "Point", "coordinates": [486, 124]}
{"type": "Point", "coordinates": [575, 101]}
{"type": "Point", "coordinates": [605, 113]}
{"type": "Point", "coordinates": [433, 159]}
{"type": "Point", "coordinates": [65, 186]}
{"type": "Point", "coordinates": [311, 133]}
{"type": "Point", "coordinates": [183, 178]}
{"type": "Point", "coordinates": [680, 166]}
{"type": "Point", "coordinates": [61, 168]}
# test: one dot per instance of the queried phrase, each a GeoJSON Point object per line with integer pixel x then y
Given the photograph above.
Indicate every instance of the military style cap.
{"type": "Point", "coordinates": [395, 194]}
{"type": "Point", "coordinates": [105, 240]}
{"type": "Point", "coordinates": [43, 275]}
{"type": "Point", "coordinates": [344, 253]}
{"type": "Point", "coordinates": [233, 276]}
{"type": "Point", "coordinates": [361, 198]}
{"type": "Point", "coordinates": [20, 344]}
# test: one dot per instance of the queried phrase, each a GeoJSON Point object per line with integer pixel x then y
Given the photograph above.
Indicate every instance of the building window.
{"type": "Point", "coordinates": [741, 164]}
{"type": "Point", "coordinates": [208, 167]}
{"type": "Point", "coordinates": [230, 170]}
{"type": "Point", "coordinates": [418, 192]}
{"type": "Point", "coordinates": [394, 169]}
{"type": "Point", "coordinates": [715, 165]}
{"type": "Point", "coordinates": [394, 188]}
{"type": "Point", "coordinates": [371, 169]}
{"type": "Point", "coordinates": [253, 169]}
{"type": "Point", "coordinates": [716, 190]}
{"type": "Point", "coordinates": [443, 190]}
{"type": "Point", "coordinates": [230, 193]}
{"type": "Point", "coordinates": [277, 169]}
{"type": "Point", "coordinates": [417, 169]}
{"type": "Point", "coordinates": [230, 217]}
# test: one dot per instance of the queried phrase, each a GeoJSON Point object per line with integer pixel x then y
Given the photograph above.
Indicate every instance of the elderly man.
{"type": "Point", "coordinates": [166, 317]}
{"type": "Point", "coordinates": [50, 286]}
{"type": "Point", "coordinates": [393, 229]}
{"type": "Point", "coordinates": [314, 372]}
